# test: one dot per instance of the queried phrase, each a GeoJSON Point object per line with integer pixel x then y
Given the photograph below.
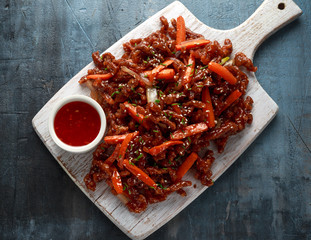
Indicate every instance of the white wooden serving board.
{"type": "Point", "coordinates": [245, 38]}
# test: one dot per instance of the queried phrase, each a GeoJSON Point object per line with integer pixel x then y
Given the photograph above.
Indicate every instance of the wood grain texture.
{"type": "Point", "coordinates": [247, 37]}
{"type": "Point", "coordinates": [41, 202]}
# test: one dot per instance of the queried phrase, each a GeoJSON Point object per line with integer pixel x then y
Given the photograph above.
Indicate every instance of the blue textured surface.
{"type": "Point", "coordinates": [266, 194]}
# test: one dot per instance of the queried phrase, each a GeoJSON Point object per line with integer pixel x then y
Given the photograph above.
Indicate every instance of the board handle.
{"type": "Point", "coordinates": [266, 20]}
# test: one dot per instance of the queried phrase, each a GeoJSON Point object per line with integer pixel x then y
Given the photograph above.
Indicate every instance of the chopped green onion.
{"type": "Point", "coordinates": [189, 139]}
{"type": "Point", "coordinates": [139, 157]}
{"type": "Point", "coordinates": [155, 131]}
{"type": "Point", "coordinates": [200, 86]}
{"type": "Point", "coordinates": [203, 67]}
{"type": "Point", "coordinates": [157, 101]}
{"type": "Point", "coordinates": [162, 64]}
{"type": "Point", "coordinates": [183, 120]}
{"type": "Point", "coordinates": [176, 104]}
{"type": "Point", "coordinates": [189, 65]}
{"type": "Point", "coordinates": [116, 92]}
{"type": "Point", "coordinates": [160, 185]}
{"type": "Point", "coordinates": [145, 61]}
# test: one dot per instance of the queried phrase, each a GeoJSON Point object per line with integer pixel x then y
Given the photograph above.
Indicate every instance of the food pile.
{"type": "Point", "coordinates": [165, 100]}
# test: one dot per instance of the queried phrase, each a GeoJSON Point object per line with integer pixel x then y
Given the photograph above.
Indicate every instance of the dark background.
{"type": "Point", "coordinates": [266, 194]}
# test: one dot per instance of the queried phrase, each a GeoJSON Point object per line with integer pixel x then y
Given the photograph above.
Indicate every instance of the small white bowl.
{"type": "Point", "coordinates": [102, 130]}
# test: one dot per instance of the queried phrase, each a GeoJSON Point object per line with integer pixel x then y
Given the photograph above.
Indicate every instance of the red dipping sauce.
{"type": "Point", "coordinates": [77, 123]}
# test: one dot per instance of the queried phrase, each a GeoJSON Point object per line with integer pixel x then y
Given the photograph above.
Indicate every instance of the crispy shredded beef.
{"type": "Point", "coordinates": [177, 106]}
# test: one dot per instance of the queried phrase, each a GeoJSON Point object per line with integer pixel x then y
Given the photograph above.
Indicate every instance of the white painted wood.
{"type": "Point", "coordinates": [246, 38]}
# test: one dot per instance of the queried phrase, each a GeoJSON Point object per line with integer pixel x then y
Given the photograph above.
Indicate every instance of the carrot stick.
{"type": "Point", "coordinates": [160, 148]}
{"type": "Point", "coordinates": [223, 72]}
{"type": "Point", "coordinates": [230, 99]}
{"type": "Point", "coordinates": [116, 181]}
{"type": "Point", "coordinates": [101, 76]}
{"type": "Point", "coordinates": [189, 70]}
{"type": "Point", "coordinates": [123, 148]}
{"type": "Point", "coordinates": [192, 44]}
{"type": "Point", "coordinates": [135, 115]}
{"type": "Point", "coordinates": [159, 68]}
{"type": "Point", "coordinates": [118, 138]}
{"type": "Point", "coordinates": [187, 164]}
{"type": "Point", "coordinates": [206, 98]}
{"type": "Point", "coordinates": [114, 155]}
{"type": "Point", "coordinates": [133, 112]}
{"type": "Point", "coordinates": [166, 74]}
{"type": "Point", "coordinates": [181, 30]}
{"type": "Point", "coordinates": [189, 131]}
{"type": "Point", "coordinates": [140, 174]}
